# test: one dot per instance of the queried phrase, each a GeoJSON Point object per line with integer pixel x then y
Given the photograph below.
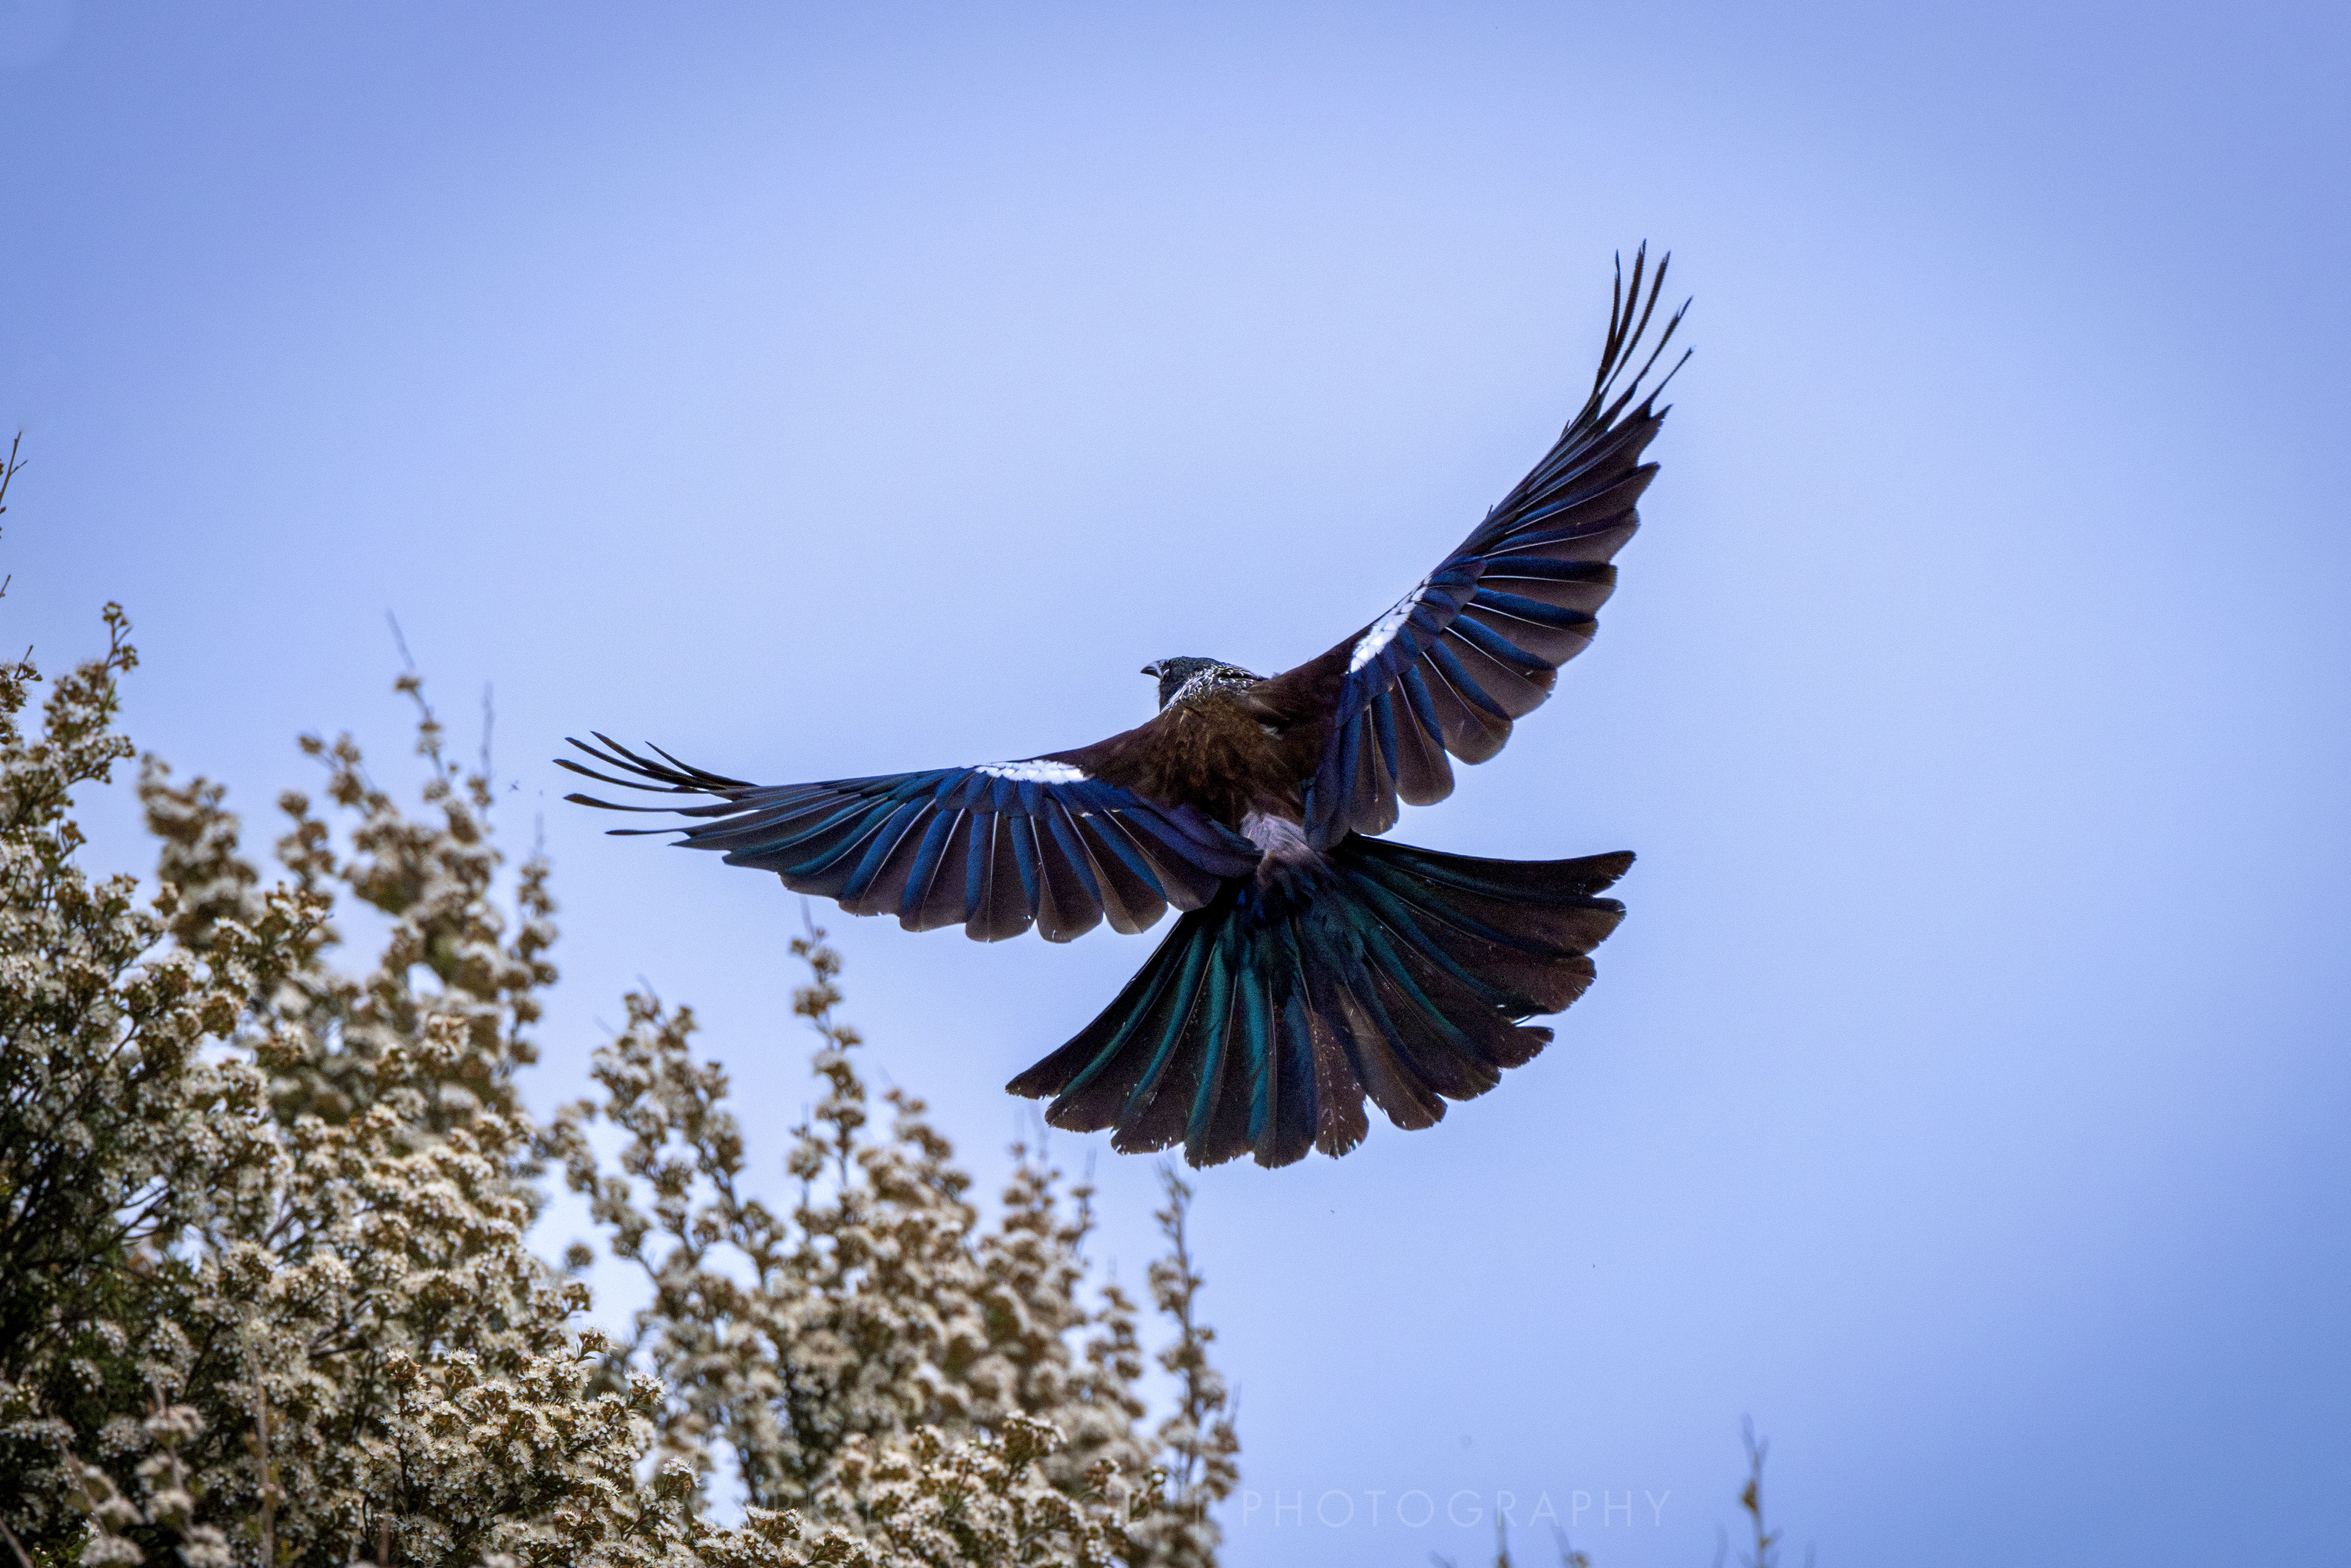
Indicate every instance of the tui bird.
{"type": "Point", "coordinates": [1314, 963]}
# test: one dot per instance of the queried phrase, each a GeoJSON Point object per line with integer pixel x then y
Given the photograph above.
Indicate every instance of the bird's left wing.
{"type": "Point", "coordinates": [1477, 645]}
{"type": "Point", "coordinates": [995, 848]}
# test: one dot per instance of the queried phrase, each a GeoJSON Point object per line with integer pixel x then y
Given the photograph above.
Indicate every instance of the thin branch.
{"type": "Point", "coordinates": [407, 660]}
{"type": "Point", "coordinates": [14, 1544]}
{"type": "Point", "coordinates": [7, 472]}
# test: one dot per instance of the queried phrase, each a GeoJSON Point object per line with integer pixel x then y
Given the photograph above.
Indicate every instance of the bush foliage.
{"type": "Point", "coordinates": [269, 1296]}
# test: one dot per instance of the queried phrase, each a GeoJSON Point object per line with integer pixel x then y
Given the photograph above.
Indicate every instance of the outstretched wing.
{"type": "Point", "coordinates": [1477, 645]}
{"type": "Point", "coordinates": [994, 849]}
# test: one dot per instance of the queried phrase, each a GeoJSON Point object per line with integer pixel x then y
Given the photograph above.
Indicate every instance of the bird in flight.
{"type": "Point", "coordinates": [1315, 964]}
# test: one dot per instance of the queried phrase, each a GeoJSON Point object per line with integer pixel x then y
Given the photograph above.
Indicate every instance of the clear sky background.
{"type": "Point", "coordinates": [822, 391]}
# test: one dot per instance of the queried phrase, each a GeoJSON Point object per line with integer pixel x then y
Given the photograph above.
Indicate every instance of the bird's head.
{"type": "Point", "coordinates": [1187, 677]}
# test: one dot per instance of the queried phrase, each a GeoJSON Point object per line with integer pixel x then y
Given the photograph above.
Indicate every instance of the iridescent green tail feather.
{"type": "Point", "coordinates": [1268, 1017]}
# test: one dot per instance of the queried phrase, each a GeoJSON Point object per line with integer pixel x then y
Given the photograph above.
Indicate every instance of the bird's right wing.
{"type": "Point", "coordinates": [1477, 645]}
{"type": "Point", "coordinates": [994, 848]}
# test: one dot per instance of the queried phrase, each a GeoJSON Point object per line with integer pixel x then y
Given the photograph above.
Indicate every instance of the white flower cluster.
{"type": "Point", "coordinates": [268, 1297]}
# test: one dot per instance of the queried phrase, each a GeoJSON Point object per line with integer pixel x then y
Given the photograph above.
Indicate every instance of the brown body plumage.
{"type": "Point", "coordinates": [1216, 753]}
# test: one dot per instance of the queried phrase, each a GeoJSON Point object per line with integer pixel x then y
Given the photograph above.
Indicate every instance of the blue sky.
{"type": "Point", "coordinates": [823, 391]}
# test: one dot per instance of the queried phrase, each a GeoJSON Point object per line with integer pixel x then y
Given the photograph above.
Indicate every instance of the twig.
{"type": "Point", "coordinates": [7, 472]}
{"type": "Point", "coordinates": [1751, 1498]}
{"type": "Point", "coordinates": [269, 1471]}
{"type": "Point", "coordinates": [407, 660]}
{"type": "Point", "coordinates": [1569, 1556]}
{"type": "Point", "coordinates": [489, 718]}
{"type": "Point", "coordinates": [14, 1544]}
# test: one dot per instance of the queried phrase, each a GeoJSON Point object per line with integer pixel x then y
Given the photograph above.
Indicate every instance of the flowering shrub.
{"type": "Point", "coordinates": [268, 1296]}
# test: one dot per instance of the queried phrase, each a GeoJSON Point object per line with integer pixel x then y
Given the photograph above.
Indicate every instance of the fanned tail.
{"type": "Point", "coordinates": [1382, 970]}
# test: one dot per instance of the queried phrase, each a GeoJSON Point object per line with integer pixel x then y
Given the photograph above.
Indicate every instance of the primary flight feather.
{"type": "Point", "coordinates": [1314, 964]}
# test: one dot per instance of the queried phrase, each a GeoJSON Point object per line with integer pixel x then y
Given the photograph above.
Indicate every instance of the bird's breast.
{"type": "Point", "coordinates": [1213, 755]}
